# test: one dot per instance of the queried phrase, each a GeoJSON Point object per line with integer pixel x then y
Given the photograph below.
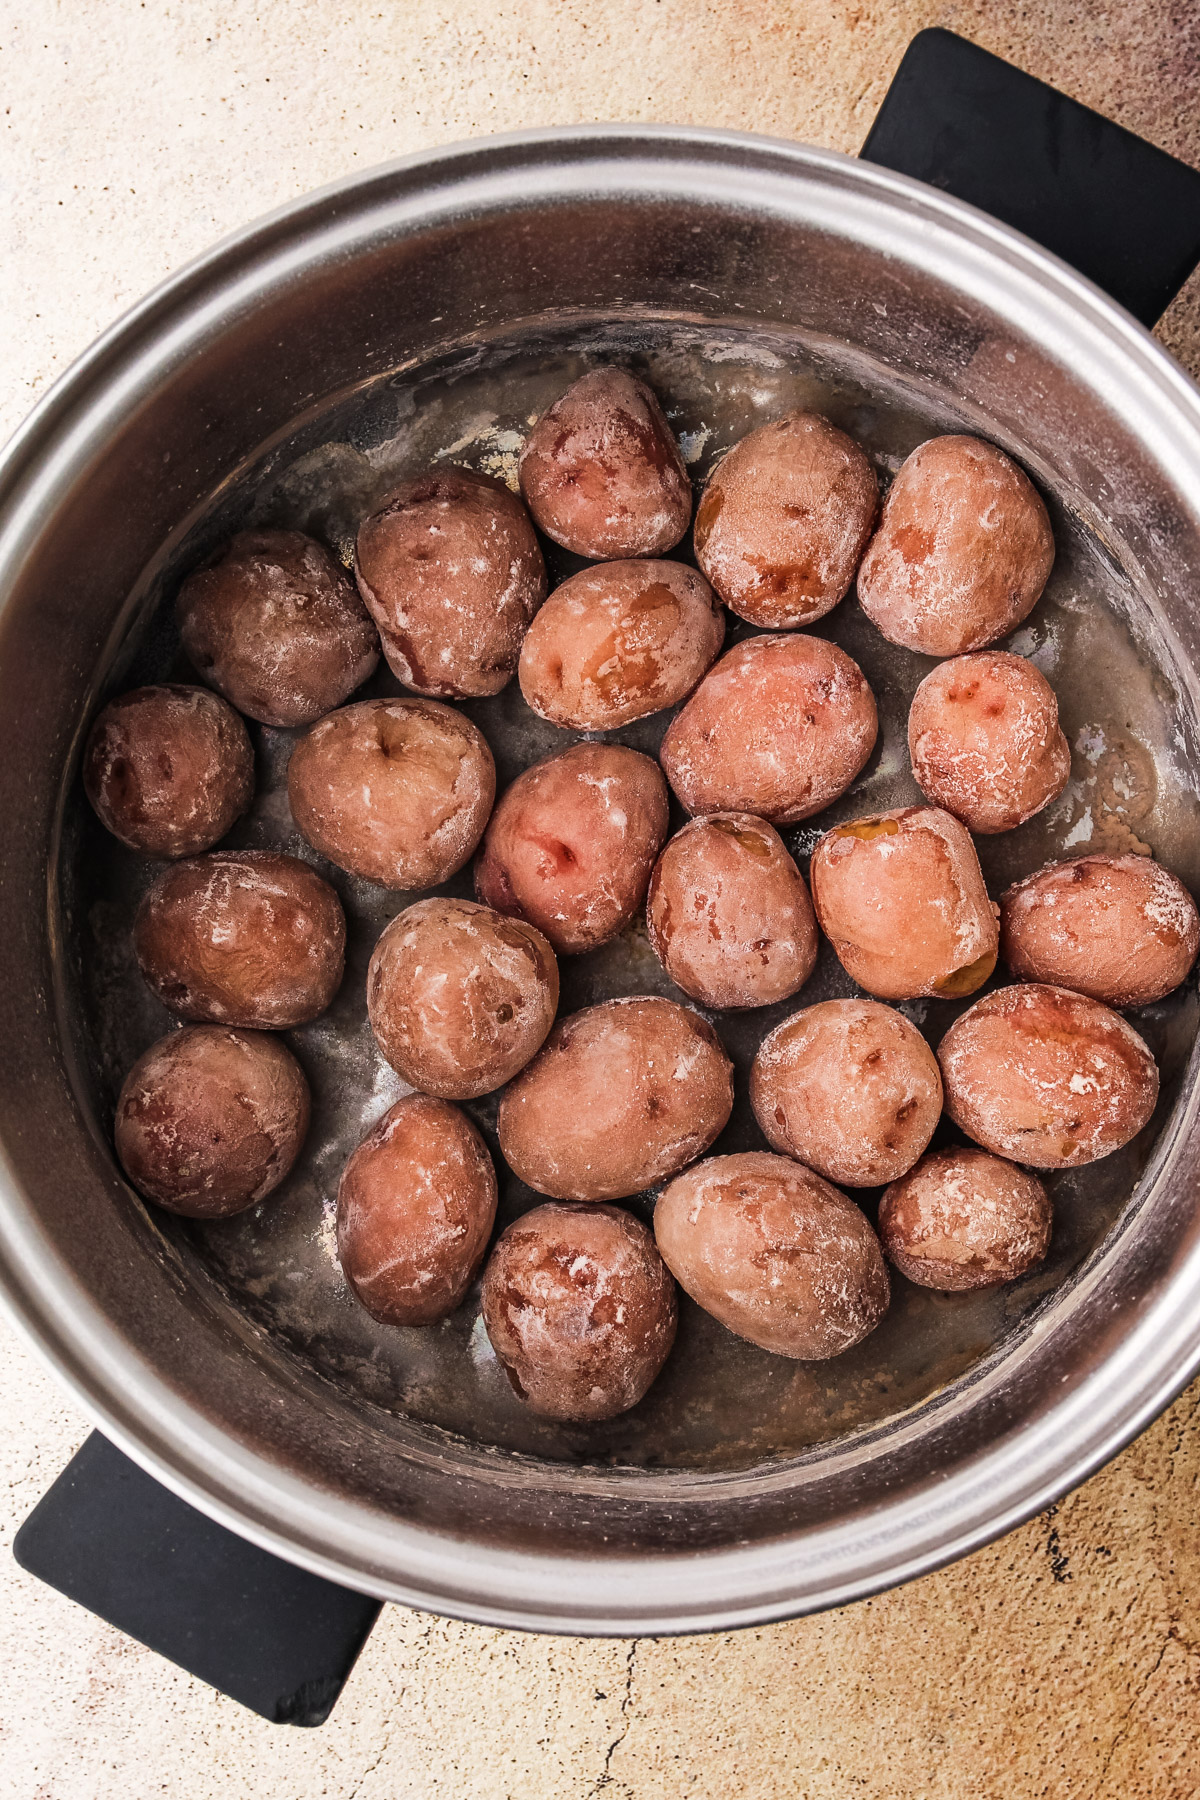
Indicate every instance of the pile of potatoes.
{"type": "Point", "coordinates": [449, 581]}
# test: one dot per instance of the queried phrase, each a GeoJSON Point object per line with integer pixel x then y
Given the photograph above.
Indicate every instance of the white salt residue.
{"type": "Point", "coordinates": [1080, 832]}
{"type": "Point", "coordinates": [479, 1344]}
{"type": "Point", "coordinates": [692, 443]}
{"type": "Point", "coordinates": [386, 1089]}
{"type": "Point", "coordinates": [1091, 743]}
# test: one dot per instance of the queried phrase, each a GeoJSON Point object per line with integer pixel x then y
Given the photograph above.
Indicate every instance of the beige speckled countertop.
{"type": "Point", "coordinates": [1061, 1662]}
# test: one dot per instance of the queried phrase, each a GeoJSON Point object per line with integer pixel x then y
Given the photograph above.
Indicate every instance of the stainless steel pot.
{"type": "Point", "coordinates": [251, 348]}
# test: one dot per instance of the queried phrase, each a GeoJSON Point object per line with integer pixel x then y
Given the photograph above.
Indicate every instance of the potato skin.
{"type": "Point", "coordinates": [460, 998]}
{"type": "Point", "coordinates": [963, 549]}
{"type": "Point", "coordinates": [580, 1310]}
{"type": "Point", "coordinates": [168, 769]}
{"type": "Point", "coordinates": [779, 727]}
{"type": "Point", "coordinates": [451, 572]}
{"type": "Point", "coordinates": [415, 1209]}
{"type": "Point", "coordinates": [244, 937]}
{"type": "Point", "coordinates": [601, 471]}
{"type": "Point", "coordinates": [963, 1219]}
{"type": "Point", "coordinates": [276, 626]}
{"type": "Point", "coordinates": [850, 1088]}
{"type": "Point", "coordinates": [618, 642]}
{"type": "Point", "coordinates": [774, 1253]}
{"type": "Point", "coordinates": [1046, 1077]}
{"type": "Point", "coordinates": [620, 1096]}
{"type": "Point", "coordinates": [572, 842]}
{"type": "Point", "coordinates": [1121, 929]}
{"type": "Point", "coordinates": [784, 520]}
{"type": "Point", "coordinates": [210, 1120]}
{"type": "Point", "coordinates": [900, 896]}
{"type": "Point", "coordinates": [397, 791]}
{"type": "Point", "coordinates": [985, 741]}
{"type": "Point", "coordinates": [729, 915]}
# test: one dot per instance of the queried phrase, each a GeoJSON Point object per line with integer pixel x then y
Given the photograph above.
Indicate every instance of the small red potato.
{"type": "Point", "coordinates": [415, 1209]}
{"type": "Point", "coordinates": [169, 769]}
{"type": "Point", "coordinates": [963, 1219]}
{"type": "Point", "coordinates": [784, 520]}
{"type": "Point", "coordinates": [985, 741]}
{"type": "Point", "coordinates": [774, 1253]}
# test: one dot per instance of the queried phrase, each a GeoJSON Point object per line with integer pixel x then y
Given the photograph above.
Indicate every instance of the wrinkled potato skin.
{"type": "Point", "coordinates": [779, 727]}
{"type": "Point", "coordinates": [1008, 1065]}
{"type": "Point", "coordinates": [963, 1219]}
{"type": "Point", "coordinates": [276, 626]}
{"type": "Point", "coordinates": [601, 471]}
{"type": "Point", "coordinates": [211, 1120]}
{"type": "Point", "coordinates": [1121, 929]}
{"type": "Point", "coordinates": [962, 552]}
{"type": "Point", "coordinates": [397, 791]}
{"type": "Point", "coordinates": [580, 1309]}
{"type": "Point", "coordinates": [244, 937]}
{"type": "Point", "coordinates": [415, 1209]}
{"type": "Point", "coordinates": [784, 520]}
{"type": "Point", "coordinates": [850, 1088]}
{"type": "Point", "coordinates": [460, 998]}
{"type": "Point", "coordinates": [729, 915]}
{"type": "Point", "coordinates": [451, 573]}
{"type": "Point", "coordinates": [900, 896]}
{"type": "Point", "coordinates": [621, 1095]}
{"type": "Point", "coordinates": [775, 1253]}
{"type": "Point", "coordinates": [618, 642]}
{"type": "Point", "coordinates": [985, 741]}
{"type": "Point", "coordinates": [572, 842]}
{"type": "Point", "coordinates": [169, 769]}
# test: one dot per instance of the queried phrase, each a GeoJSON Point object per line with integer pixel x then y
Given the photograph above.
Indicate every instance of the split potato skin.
{"type": "Point", "coordinates": [985, 741]}
{"type": "Point", "coordinates": [962, 1219]}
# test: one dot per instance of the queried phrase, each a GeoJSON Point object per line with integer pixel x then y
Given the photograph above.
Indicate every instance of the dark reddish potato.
{"type": "Point", "coordinates": [619, 641]}
{"type": "Point", "coordinates": [985, 741]}
{"type": "Point", "coordinates": [850, 1088]}
{"type": "Point", "coordinates": [784, 520]}
{"type": "Point", "coordinates": [779, 728]}
{"type": "Point", "coordinates": [168, 769]}
{"type": "Point", "coordinates": [963, 1219]}
{"type": "Point", "coordinates": [572, 842]}
{"type": "Point", "coordinates": [962, 552]}
{"type": "Point", "coordinates": [242, 938]}
{"type": "Point", "coordinates": [900, 896]}
{"type": "Point", "coordinates": [397, 791]}
{"type": "Point", "coordinates": [415, 1209]}
{"type": "Point", "coordinates": [1118, 928]}
{"type": "Point", "coordinates": [622, 1095]}
{"type": "Point", "coordinates": [774, 1253]}
{"type": "Point", "coordinates": [729, 915]}
{"type": "Point", "coordinates": [601, 471]}
{"type": "Point", "coordinates": [276, 626]}
{"type": "Point", "coordinates": [452, 574]}
{"type": "Point", "coordinates": [210, 1120]}
{"type": "Point", "coordinates": [1048, 1078]}
{"type": "Point", "coordinates": [459, 997]}
{"type": "Point", "coordinates": [580, 1310]}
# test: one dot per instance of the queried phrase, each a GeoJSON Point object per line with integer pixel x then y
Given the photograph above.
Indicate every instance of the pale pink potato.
{"type": "Point", "coordinates": [774, 1253]}
{"type": "Point", "coordinates": [460, 998]}
{"type": "Point", "coordinates": [1121, 929]}
{"type": "Point", "coordinates": [168, 769]}
{"type": "Point", "coordinates": [397, 791]}
{"type": "Point", "coordinates": [621, 1095]}
{"type": "Point", "coordinates": [243, 937]}
{"type": "Point", "coordinates": [211, 1120]}
{"type": "Point", "coordinates": [779, 728]}
{"type": "Point", "coordinates": [572, 842]}
{"type": "Point", "coordinates": [963, 549]}
{"type": "Point", "coordinates": [601, 471]}
{"type": "Point", "coordinates": [900, 896]}
{"type": "Point", "coordinates": [451, 572]}
{"type": "Point", "coordinates": [985, 741]}
{"type": "Point", "coordinates": [415, 1209]}
{"type": "Point", "coordinates": [620, 641]}
{"type": "Point", "coordinates": [276, 626]}
{"type": "Point", "coordinates": [963, 1219]}
{"type": "Point", "coordinates": [1047, 1077]}
{"type": "Point", "coordinates": [784, 520]}
{"type": "Point", "coordinates": [850, 1088]}
{"type": "Point", "coordinates": [729, 915]}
